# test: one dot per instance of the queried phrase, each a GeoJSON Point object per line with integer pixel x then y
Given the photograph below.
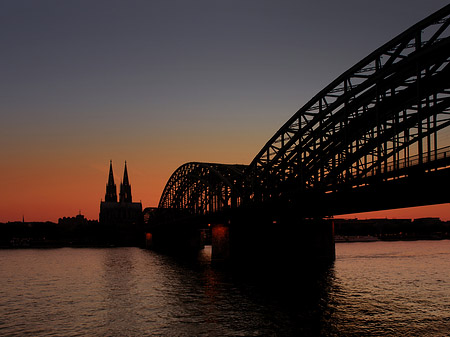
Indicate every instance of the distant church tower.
{"type": "Point", "coordinates": [122, 212]}
{"type": "Point", "coordinates": [125, 187]}
{"type": "Point", "coordinates": [111, 191]}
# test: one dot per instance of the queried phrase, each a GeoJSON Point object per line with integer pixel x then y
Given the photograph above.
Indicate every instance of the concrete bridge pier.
{"type": "Point", "coordinates": [182, 240]}
{"type": "Point", "coordinates": [282, 243]}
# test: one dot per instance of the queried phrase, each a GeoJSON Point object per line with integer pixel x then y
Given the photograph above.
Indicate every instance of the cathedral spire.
{"type": "Point", "coordinates": [125, 187]}
{"type": "Point", "coordinates": [111, 175]}
{"type": "Point", "coordinates": [125, 175]}
{"type": "Point", "coordinates": [111, 191]}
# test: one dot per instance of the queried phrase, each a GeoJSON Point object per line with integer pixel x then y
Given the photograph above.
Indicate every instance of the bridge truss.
{"type": "Point", "coordinates": [386, 115]}
{"type": "Point", "coordinates": [382, 116]}
{"type": "Point", "coordinates": [201, 188]}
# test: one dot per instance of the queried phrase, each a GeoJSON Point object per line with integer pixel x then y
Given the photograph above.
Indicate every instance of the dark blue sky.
{"type": "Point", "coordinates": [163, 82]}
{"type": "Point", "coordinates": [68, 61]}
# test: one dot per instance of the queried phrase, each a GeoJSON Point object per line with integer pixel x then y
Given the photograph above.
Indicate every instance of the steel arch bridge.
{"type": "Point", "coordinates": [204, 187]}
{"type": "Point", "coordinates": [382, 119]}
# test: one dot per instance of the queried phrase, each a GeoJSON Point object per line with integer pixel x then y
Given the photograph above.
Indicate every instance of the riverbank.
{"type": "Point", "coordinates": [393, 237]}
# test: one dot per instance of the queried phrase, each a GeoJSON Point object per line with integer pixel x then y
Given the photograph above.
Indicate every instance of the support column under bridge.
{"type": "Point", "coordinates": [177, 238]}
{"type": "Point", "coordinates": [259, 240]}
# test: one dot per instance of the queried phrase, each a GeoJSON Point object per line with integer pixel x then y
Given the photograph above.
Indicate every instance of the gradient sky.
{"type": "Point", "coordinates": [162, 82]}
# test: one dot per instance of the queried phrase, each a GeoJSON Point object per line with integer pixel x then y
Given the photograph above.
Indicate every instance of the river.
{"type": "Point", "coordinates": [372, 289]}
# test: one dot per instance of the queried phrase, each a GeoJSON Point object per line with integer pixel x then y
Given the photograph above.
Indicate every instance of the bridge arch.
{"type": "Point", "coordinates": [379, 118]}
{"type": "Point", "coordinates": [201, 188]}
{"type": "Point", "coordinates": [382, 119]}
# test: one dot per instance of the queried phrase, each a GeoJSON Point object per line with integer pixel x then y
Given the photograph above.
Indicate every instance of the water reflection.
{"type": "Point", "coordinates": [296, 302]}
{"type": "Point", "coordinates": [249, 302]}
{"type": "Point", "coordinates": [393, 288]}
{"type": "Point", "coordinates": [380, 289]}
{"type": "Point", "coordinates": [118, 291]}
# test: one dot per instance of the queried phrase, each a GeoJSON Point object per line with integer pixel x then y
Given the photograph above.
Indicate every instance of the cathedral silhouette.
{"type": "Point", "coordinates": [124, 211]}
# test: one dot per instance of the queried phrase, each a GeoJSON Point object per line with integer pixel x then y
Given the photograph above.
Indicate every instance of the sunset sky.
{"type": "Point", "coordinates": [162, 82]}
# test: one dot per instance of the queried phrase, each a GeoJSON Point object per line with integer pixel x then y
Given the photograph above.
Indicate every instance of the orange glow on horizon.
{"type": "Point", "coordinates": [54, 191]}
{"type": "Point", "coordinates": [46, 190]}
{"type": "Point", "coordinates": [441, 211]}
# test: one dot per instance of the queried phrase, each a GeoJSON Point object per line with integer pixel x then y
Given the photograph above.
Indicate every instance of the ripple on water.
{"type": "Point", "coordinates": [379, 288]}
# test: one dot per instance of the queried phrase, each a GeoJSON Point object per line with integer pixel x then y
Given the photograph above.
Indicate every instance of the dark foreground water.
{"type": "Point", "coordinates": [373, 289]}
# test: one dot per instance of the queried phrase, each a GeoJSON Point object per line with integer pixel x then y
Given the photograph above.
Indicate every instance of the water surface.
{"type": "Point", "coordinates": [379, 288]}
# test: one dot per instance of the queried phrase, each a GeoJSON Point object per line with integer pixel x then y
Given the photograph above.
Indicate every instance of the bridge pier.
{"type": "Point", "coordinates": [251, 239]}
{"type": "Point", "coordinates": [285, 242]}
{"type": "Point", "coordinates": [181, 240]}
{"type": "Point", "coordinates": [220, 242]}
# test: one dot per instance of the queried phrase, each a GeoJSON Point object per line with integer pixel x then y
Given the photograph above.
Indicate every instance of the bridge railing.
{"type": "Point", "coordinates": [413, 161]}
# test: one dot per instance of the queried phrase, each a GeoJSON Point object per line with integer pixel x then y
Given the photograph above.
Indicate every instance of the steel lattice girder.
{"type": "Point", "coordinates": [370, 109]}
{"type": "Point", "coordinates": [203, 187]}
{"type": "Point", "coordinates": [376, 119]}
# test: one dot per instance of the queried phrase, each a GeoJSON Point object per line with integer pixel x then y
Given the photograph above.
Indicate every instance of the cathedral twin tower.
{"type": "Point", "coordinates": [125, 187]}
{"type": "Point", "coordinates": [124, 211]}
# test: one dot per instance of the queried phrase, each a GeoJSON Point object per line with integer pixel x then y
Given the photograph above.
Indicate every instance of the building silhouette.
{"type": "Point", "coordinates": [124, 211]}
